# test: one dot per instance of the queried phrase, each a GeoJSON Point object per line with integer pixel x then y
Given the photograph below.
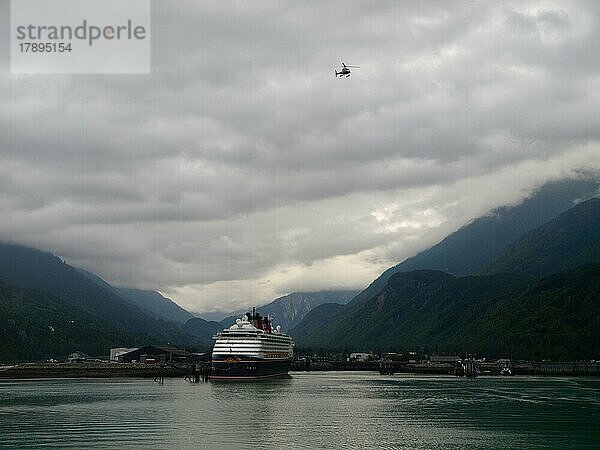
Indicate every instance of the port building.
{"type": "Point", "coordinates": [152, 354]}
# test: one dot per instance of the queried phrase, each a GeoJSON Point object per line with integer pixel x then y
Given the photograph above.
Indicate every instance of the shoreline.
{"type": "Point", "coordinates": [137, 370]}
{"type": "Point", "coordinates": [90, 370]}
{"type": "Point", "coordinates": [486, 368]}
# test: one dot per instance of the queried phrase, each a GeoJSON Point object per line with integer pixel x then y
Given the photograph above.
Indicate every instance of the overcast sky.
{"type": "Point", "coordinates": [241, 169]}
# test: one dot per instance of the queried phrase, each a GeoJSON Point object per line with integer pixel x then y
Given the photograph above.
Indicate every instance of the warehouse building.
{"type": "Point", "coordinates": [116, 352]}
{"type": "Point", "coordinates": [154, 354]}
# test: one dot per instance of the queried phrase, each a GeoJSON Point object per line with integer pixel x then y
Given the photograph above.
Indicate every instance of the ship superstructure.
{"type": "Point", "coordinates": [251, 348]}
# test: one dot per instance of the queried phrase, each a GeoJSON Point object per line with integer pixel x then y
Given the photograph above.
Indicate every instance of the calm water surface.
{"type": "Point", "coordinates": [307, 410]}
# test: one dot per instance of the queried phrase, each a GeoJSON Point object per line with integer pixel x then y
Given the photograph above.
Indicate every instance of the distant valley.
{"type": "Point", "coordinates": [50, 309]}
{"type": "Point", "coordinates": [522, 281]}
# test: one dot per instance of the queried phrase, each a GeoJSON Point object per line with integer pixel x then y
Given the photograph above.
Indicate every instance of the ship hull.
{"type": "Point", "coordinates": [234, 368]}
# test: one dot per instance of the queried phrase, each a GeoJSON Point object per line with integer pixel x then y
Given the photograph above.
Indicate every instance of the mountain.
{"type": "Point", "coordinates": [477, 244]}
{"type": "Point", "coordinates": [491, 311]}
{"type": "Point", "coordinates": [219, 316]}
{"type": "Point", "coordinates": [320, 317]}
{"type": "Point", "coordinates": [493, 315]}
{"type": "Point", "coordinates": [96, 279]}
{"type": "Point", "coordinates": [286, 311]}
{"type": "Point", "coordinates": [36, 325]}
{"type": "Point", "coordinates": [289, 310]}
{"type": "Point", "coordinates": [504, 309]}
{"type": "Point", "coordinates": [411, 304]}
{"type": "Point", "coordinates": [157, 305]}
{"type": "Point", "coordinates": [202, 329]}
{"type": "Point", "coordinates": [33, 269]}
{"type": "Point", "coordinates": [570, 240]}
{"type": "Point", "coordinates": [151, 302]}
{"type": "Point", "coordinates": [557, 317]}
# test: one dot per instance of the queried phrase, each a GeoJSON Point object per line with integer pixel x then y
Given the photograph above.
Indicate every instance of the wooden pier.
{"type": "Point", "coordinates": [198, 372]}
{"type": "Point", "coordinates": [91, 370]}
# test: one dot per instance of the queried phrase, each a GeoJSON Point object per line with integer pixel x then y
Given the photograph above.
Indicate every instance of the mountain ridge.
{"type": "Point", "coordinates": [497, 315]}
{"type": "Point", "coordinates": [569, 240]}
{"type": "Point", "coordinates": [152, 302]}
{"type": "Point", "coordinates": [289, 309]}
{"type": "Point", "coordinates": [36, 325]}
{"type": "Point", "coordinates": [156, 304]}
{"type": "Point", "coordinates": [425, 309]}
{"type": "Point", "coordinates": [474, 245]}
{"type": "Point", "coordinates": [27, 268]}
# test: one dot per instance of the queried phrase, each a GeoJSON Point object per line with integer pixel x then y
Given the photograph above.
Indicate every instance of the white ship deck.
{"type": "Point", "coordinates": [245, 340]}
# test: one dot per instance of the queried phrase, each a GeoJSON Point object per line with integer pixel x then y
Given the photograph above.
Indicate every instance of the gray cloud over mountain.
{"type": "Point", "coordinates": [241, 169]}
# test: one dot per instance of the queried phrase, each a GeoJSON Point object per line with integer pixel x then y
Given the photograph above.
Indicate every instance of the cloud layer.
{"type": "Point", "coordinates": [241, 169]}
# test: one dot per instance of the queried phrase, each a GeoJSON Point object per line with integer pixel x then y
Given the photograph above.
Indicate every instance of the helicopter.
{"type": "Point", "coordinates": [344, 71]}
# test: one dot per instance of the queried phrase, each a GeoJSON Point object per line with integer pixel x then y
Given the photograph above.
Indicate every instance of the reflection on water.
{"type": "Point", "coordinates": [307, 410]}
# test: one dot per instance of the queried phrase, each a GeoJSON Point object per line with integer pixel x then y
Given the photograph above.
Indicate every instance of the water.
{"type": "Point", "coordinates": [307, 410]}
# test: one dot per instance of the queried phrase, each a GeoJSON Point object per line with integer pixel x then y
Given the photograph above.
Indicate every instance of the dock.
{"type": "Point", "coordinates": [91, 370]}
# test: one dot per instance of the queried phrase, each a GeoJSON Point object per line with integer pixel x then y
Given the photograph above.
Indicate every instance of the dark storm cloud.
{"type": "Point", "coordinates": [241, 159]}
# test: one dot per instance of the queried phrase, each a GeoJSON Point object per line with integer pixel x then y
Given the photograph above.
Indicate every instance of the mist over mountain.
{"type": "Point", "coordinates": [32, 269]}
{"type": "Point", "coordinates": [507, 307]}
{"type": "Point", "coordinates": [570, 240]}
{"type": "Point", "coordinates": [515, 314]}
{"type": "Point", "coordinates": [476, 244]}
{"type": "Point", "coordinates": [130, 316]}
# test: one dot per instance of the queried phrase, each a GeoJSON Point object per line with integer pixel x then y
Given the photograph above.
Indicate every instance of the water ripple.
{"type": "Point", "coordinates": [308, 410]}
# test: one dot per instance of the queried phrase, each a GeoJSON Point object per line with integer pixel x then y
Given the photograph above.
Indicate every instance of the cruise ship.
{"type": "Point", "coordinates": [251, 349]}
